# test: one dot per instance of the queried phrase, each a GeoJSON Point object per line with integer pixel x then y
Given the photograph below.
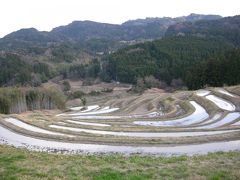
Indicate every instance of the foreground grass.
{"type": "Point", "coordinates": [22, 164]}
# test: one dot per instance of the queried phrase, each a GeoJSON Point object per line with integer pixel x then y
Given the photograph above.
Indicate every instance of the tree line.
{"type": "Point", "coordinates": [218, 71]}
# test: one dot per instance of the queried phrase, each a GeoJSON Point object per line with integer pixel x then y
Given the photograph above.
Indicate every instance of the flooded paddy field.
{"type": "Point", "coordinates": [151, 123]}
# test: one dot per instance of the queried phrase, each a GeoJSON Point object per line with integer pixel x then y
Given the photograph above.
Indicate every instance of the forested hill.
{"type": "Point", "coordinates": [227, 29]}
{"type": "Point", "coordinates": [194, 53]}
{"type": "Point", "coordinates": [85, 49]}
{"type": "Point", "coordinates": [166, 59]}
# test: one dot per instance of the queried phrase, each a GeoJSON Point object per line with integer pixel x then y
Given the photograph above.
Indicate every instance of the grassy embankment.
{"type": "Point", "coordinates": [22, 164]}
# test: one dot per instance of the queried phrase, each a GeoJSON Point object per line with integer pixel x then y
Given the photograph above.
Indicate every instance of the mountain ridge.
{"type": "Point", "coordinates": [85, 30]}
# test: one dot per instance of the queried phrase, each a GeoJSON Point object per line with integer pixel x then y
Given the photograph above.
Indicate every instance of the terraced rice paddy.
{"type": "Point", "coordinates": [152, 123]}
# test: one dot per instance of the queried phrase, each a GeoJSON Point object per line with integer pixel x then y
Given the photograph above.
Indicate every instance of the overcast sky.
{"type": "Point", "coordinates": [47, 14]}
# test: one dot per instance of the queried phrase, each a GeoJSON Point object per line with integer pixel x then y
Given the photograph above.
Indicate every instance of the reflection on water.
{"type": "Point", "coordinates": [197, 116]}
{"type": "Point", "coordinates": [18, 140]}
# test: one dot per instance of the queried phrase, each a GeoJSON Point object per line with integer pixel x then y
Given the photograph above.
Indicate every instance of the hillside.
{"type": "Point", "coordinates": [85, 49]}
{"type": "Point", "coordinates": [199, 53]}
{"type": "Point", "coordinates": [166, 59]}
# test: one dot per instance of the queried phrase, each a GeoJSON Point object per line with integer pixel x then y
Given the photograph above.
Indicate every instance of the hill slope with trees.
{"type": "Point", "coordinates": [85, 49]}
{"type": "Point", "coordinates": [166, 59]}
